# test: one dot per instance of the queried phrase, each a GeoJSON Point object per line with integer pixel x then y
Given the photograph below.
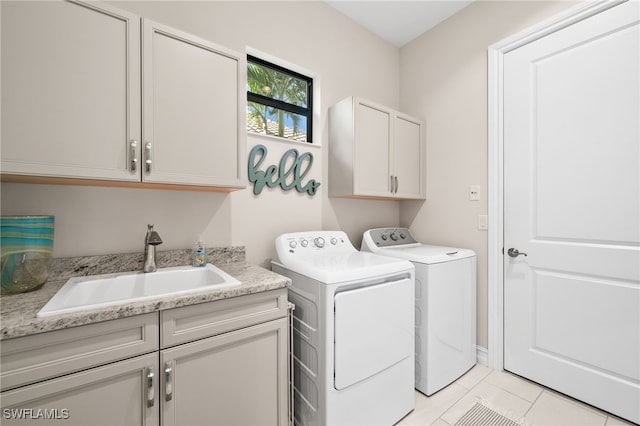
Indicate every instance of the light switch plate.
{"type": "Point", "coordinates": [482, 222]}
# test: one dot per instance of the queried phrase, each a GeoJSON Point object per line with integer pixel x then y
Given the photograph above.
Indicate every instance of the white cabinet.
{"type": "Point", "coordinates": [107, 395]}
{"type": "Point", "coordinates": [375, 152]}
{"type": "Point", "coordinates": [70, 89]}
{"type": "Point", "coordinates": [93, 374]}
{"type": "Point", "coordinates": [237, 378]}
{"type": "Point", "coordinates": [409, 156]}
{"type": "Point", "coordinates": [90, 93]}
{"type": "Point", "coordinates": [192, 103]}
{"type": "Point", "coordinates": [226, 362]}
{"type": "Point", "coordinates": [222, 362]}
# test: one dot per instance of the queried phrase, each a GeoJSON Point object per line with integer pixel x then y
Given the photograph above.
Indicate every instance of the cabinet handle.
{"type": "Point", "coordinates": [147, 157]}
{"type": "Point", "coordinates": [168, 373]}
{"type": "Point", "coordinates": [133, 148]}
{"type": "Point", "coordinates": [394, 184]}
{"type": "Point", "coordinates": [391, 183]}
{"type": "Point", "coordinates": [151, 397]}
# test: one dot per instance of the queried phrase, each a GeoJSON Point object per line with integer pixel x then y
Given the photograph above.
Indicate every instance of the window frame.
{"type": "Point", "coordinates": [307, 111]}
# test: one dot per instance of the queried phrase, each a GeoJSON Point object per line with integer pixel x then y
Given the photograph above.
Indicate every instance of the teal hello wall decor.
{"type": "Point", "coordinates": [278, 175]}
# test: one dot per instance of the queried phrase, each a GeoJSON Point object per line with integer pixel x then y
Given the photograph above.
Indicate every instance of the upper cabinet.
{"type": "Point", "coordinates": [193, 93]}
{"type": "Point", "coordinates": [91, 93]}
{"type": "Point", "coordinates": [375, 152]}
{"type": "Point", "coordinates": [70, 90]}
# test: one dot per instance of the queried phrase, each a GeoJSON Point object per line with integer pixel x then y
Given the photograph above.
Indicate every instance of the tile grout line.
{"type": "Point", "coordinates": [537, 386]}
{"type": "Point", "coordinates": [484, 377]}
{"type": "Point", "coordinates": [530, 403]}
{"type": "Point", "coordinates": [467, 390]}
{"type": "Point", "coordinates": [534, 401]}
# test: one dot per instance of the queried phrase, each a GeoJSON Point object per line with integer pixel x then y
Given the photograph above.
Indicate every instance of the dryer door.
{"type": "Point", "coordinates": [374, 329]}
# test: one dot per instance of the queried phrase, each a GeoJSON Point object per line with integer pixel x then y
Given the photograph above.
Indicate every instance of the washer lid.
{"type": "Point", "coordinates": [423, 253]}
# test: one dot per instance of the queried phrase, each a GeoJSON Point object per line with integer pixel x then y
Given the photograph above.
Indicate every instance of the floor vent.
{"type": "Point", "coordinates": [479, 415]}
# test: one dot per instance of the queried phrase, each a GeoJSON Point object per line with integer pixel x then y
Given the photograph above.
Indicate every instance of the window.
{"type": "Point", "coordinates": [279, 101]}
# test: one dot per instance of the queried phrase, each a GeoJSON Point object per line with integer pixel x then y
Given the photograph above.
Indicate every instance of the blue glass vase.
{"type": "Point", "coordinates": [26, 247]}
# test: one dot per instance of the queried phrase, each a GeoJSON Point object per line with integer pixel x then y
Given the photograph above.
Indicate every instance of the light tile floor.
{"type": "Point", "coordinates": [509, 395]}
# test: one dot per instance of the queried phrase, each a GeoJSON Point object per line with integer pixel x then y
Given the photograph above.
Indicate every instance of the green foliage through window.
{"type": "Point", "coordinates": [279, 101]}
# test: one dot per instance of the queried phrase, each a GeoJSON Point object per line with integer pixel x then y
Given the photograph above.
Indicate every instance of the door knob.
{"type": "Point", "coordinates": [515, 253]}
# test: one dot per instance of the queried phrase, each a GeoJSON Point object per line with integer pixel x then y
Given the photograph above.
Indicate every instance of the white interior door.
{"type": "Point", "coordinates": [572, 204]}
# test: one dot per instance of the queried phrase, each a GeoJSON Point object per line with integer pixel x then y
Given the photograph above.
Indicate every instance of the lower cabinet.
{"type": "Point", "coordinates": [237, 375]}
{"type": "Point", "coordinates": [113, 394]}
{"type": "Point", "coordinates": [238, 378]}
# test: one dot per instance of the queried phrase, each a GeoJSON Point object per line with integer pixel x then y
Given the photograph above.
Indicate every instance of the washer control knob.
{"type": "Point", "coordinates": [319, 242]}
{"type": "Point", "coordinates": [293, 244]}
{"type": "Point", "coordinates": [402, 236]}
{"type": "Point", "coordinates": [304, 243]}
{"type": "Point", "coordinates": [393, 236]}
{"type": "Point", "coordinates": [384, 237]}
{"type": "Point", "coordinates": [334, 241]}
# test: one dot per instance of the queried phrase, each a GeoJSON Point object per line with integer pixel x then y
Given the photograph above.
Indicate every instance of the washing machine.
{"type": "Point", "coordinates": [445, 304]}
{"type": "Point", "coordinates": [353, 338]}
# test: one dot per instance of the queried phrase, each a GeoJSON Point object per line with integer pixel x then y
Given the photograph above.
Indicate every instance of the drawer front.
{"type": "Point", "coordinates": [181, 325]}
{"type": "Point", "coordinates": [38, 357]}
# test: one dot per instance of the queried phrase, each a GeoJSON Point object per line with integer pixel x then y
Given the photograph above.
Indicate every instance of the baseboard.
{"type": "Point", "coordinates": [482, 356]}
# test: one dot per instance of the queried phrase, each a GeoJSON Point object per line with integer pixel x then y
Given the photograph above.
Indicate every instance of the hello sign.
{"type": "Point", "coordinates": [297, 169]}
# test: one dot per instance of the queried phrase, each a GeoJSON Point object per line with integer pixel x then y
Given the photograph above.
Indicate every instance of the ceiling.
{"type": "Point", "coordinates": [398, 22]}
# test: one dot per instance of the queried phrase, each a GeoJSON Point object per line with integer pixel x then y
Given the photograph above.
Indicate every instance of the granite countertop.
{"type": "Point", "coordinates": [18, 312]}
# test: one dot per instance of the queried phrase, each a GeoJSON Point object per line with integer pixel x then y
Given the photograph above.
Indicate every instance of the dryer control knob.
{"type": "Point", "coordinates": [293, 244]}
{"type": "Point", "coordinates": [334, 241]}
{"type": "Point", "coordinates": [319, 242]}
{"type": "Point", "coordinates": [304, 243]}
{"type": "Point", "coordinates": [393, 236]}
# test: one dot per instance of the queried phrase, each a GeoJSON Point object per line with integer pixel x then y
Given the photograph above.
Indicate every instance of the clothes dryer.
{"type": "Point", "coordinates": [353, 343]}
{"type": "Point", "coordinates": [445, 304]}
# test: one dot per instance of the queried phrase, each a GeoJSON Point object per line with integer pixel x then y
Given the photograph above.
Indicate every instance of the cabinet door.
{"type": "Point", "coordinates": [70, 89]}
{"type": "Point", "coordinates": [409, 157]}
{"type": "Point", "coordinates": [193, 110]}
{"type": "Point", "coordinates": [116, 394]}
{"type": "Point", "coordinates": [371, 163]}
{"type": "Point", "coordinates": [237, 378]}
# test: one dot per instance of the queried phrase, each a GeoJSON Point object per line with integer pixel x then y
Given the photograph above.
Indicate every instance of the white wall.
{"type": "Point", "coordinates": [344, 59]}
{"type": "Point", "coordinates": [444, 78]}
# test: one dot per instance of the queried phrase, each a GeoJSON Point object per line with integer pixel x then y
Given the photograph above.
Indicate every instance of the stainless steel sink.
{"type": "Point", "coordinates": [98, 291]}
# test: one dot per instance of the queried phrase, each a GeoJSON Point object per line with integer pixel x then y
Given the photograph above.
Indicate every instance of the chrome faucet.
{"type": "Point", "coordinates": [151, 240]}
